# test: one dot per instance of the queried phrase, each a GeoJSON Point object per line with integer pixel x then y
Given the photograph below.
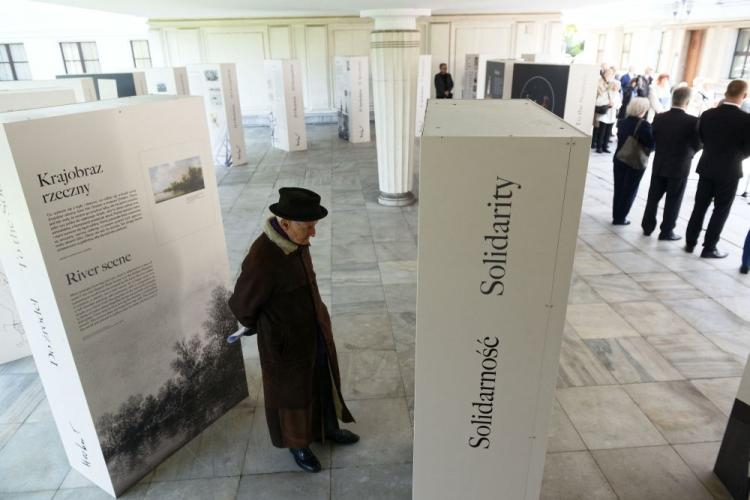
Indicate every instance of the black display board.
{"type": "Point", "coordinates": [495, 80]}
{"type": "Point", "coordinates": [545, 84]}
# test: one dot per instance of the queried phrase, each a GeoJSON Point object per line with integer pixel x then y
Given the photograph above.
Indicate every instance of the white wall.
{"type": "Point", "coordinates": [317, 41]}
{"type": "Point", "coordinates": [41, 27]}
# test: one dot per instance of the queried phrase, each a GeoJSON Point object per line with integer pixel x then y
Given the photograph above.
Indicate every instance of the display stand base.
{"type": "Point", "coordinates": [396, 199]}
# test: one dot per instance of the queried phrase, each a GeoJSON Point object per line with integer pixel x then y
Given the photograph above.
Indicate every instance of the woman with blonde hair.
{"type": "Point", "coordinates": [660, 94]}
{"type": "Point", "coordinates": [627, 178]}
{"type": "Point", "coordinates": [610, 99]}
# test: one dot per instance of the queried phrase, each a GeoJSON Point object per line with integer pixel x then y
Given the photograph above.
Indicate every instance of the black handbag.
{"type": "Point", "coordinates": [632, 153]}
{"type": "Point", "coordinates": [600, 110]}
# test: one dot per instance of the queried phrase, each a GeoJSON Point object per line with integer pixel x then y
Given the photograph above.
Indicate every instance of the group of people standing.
{"type": "Point", "coordinates": [723, 133]}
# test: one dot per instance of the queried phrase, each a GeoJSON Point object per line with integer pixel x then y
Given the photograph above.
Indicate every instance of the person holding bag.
{"type": "Point", "coordinates": [635, 141]}
{"type": "Point", "coordinates": [607, 106]}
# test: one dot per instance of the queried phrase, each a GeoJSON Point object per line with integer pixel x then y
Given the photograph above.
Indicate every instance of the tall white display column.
{"type": "Point", "coordinates": [287, 106]}
{"type": "Point", "coordinates": [395, 62]}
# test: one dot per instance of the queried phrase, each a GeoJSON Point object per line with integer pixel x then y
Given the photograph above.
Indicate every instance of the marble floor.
{"type": "Point", "coordinates": [653, 349]}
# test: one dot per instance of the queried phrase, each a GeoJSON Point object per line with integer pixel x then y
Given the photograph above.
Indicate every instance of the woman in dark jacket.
{"type": "Point", "coordinates": [627, 179]}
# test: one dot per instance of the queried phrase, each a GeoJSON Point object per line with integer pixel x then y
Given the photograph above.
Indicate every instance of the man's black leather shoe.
{"type": "Point", "coordinates": [342, 436]}
{"type": "Point", "coordinates": [621, 223]}
{"type": "Point", "coordinates": [306, 459]}
{"type": "Point", "coordinates": [744, 270]}
{"type": "Point", "coordinates": [669, 237]}
{"type": "Point", "coordinates": [689, 248]}
{"type": "Point", "coordinates": [713, 254]}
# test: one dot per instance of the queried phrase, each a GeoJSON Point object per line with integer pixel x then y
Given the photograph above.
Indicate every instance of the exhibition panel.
{"type": "Point", "coordinates": [569, 91]}
{"type": "Point", "coordinates": [13, 343]}
{"type": "Point", "coordinates": [424, 88]}
{"type": "Point", "coordinates": [167, 81]}
{"type": "Point", "coordinates": [114, 249]}
{"type": "Point", "coordinates": [353, 98]}
{"type": "Point", "coordinates": [474, 76]}
{"type": "Point", "coordinates": [287, 107]}
{"type": "Point", "coordinates": [83, 87]}
{"type": "Point", "coordinates": [734, 454]}
{"type": "Point", "coordinates": [217, 84]}
{"type": "Point", "coordinates": [491, 298]}
{"type": "Point", "coordinates": [127, 84]}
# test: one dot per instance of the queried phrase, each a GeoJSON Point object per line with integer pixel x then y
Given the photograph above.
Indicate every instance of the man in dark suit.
{"type": "Point", "coordinates": [676, 138]}
{"type": "Point", "coordinates": [443, 83]}
{"type": "Point", "coordinates": [725, 134]}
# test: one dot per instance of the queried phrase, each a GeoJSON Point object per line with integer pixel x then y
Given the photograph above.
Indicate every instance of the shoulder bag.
{"type": "Point", "coordinates": [632, 153]}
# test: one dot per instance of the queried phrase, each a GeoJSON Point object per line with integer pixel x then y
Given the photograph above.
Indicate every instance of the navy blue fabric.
{"type": "Point", "coordinates": [746, 253]}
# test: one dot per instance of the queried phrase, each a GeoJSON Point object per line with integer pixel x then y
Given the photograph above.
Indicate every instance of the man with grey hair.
{"type": "Point", "coordinates": [677, 141]}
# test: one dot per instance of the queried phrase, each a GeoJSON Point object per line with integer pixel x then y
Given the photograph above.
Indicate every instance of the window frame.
{"type": "Point", "coordinates": [740, 53]}
{"type": "Point", "coordinates": [82, 60]}
{"type": "Point", "coordinates": [136, 59]}
{"type": "Point", "coordinates": [11, 61]}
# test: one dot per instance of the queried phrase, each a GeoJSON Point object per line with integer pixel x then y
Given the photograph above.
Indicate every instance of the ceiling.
{"type": "Point", "coordinates": [188, 9]}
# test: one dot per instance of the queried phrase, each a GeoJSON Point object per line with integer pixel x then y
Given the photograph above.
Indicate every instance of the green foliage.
{"type": "Point", "coordinates": [573, 44]}
{"type": "Point", "coordinates": [189, 182]}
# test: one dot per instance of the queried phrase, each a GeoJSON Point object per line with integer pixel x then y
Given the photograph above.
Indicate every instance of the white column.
{"type": "Point", "coordinates": [395, 62]}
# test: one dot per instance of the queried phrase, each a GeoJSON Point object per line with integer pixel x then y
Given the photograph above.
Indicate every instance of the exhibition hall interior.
{"type": "Point", "coordinates": [375, 249]}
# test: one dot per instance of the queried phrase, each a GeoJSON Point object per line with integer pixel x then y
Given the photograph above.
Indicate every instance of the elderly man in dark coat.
{"type": "Point", "coordinates": [277, 297]}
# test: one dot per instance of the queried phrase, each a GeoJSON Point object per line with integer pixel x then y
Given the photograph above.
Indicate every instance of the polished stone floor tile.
{"type": "Point", "coordinates": [679, 411]}
{"type": "Point", "coordinates": [652, 318]}
{"type": "Point", "coordinates": [401, 298]}
{"type": "Point", "coordinates": [402, 272]}
{"type": "Point", "coordinates": [345, 295]}
{"type": "Point", "coordinates": [574, 476]}
{"type": "Point", "coordinates": [32, 495]}
{"type": "Point", "coordinates": [655, 472]}
{"type": "Point", "coordinates": [696, 357]}
{"type": "Point", "coordinates": [137, 492]}
{"type": "Point", "coordinates": [376, 482]}
{"type": "Point", "coordinates": [706, 315]}
{"type": "Point", "coordinates": [701, 457]}
{"type": "Point", "coordinates": [634, 262]}
{"type": "Point", "coordinates": [606, 417]}
{"type": "Point", "coordinates": [33, 459]}
{"type": "Point", "coordinates": [286, 486]}
{"type": "Point", "coordinates": [562, 436]}
{"type": "Point", "coordinates": [355, 274]}
{"type": "Point", "coordinates": [607, 242]}
{"type": "Point", "coordinates": [388, 251]}
{"type": "Point", "coordinates": [589, 264]}
{"type": "Point", "coordinates": [579, 366]}
{"type": "Point", "coordinates": [352, 253]}
{"type": "Point", "coordinates": [736, 343]}
{"type": "Point", "coordinates": [404, 327]}
{"type": "Point", "coordinates": [217, 451]}
{"type": "Point", "coordinates": [385, 432]}
{"type": "Point", "coordinates": [581, 292]}
{"type": "Point", "coordinates": [263, 458]}
{"type": "Point", "coordinates": [598, 321]}
{"type": "Point", "coordinates": [618, 288]}
{"type": "Point", "coordinates": [20, 394]}
{"type": "Point", "coordinates": [738, 305]}
{"type": "Point", "coordinates": [218, 488]}
{"type": "Point", "coordinates": [6, 432]}
{"type": "Point", "coordinates": [716, 284]}
{"type": "Point", "coordinates": [367, 374]}
{"type": "Point", "coordinates": [20, 366]}
{"type": "Point", "coordinates": [355, 331]}
{"type": "Point", "coordinates": [720, 391]}
{"type": "Point", "coordinates": [632, 359]}
{"type": "Point", "coordinates": [667, 286]}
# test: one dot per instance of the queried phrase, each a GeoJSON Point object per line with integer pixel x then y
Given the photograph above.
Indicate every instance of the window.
{"type": "Point", "coordinates": [80, 57]}
{"type": "Point", "coordinates": [14, 65]}
{"type": "Point", "coordinates": [601, 46]}
{"type": "Point", "coordinates": [141, 54]}
{"type": "Point", "coordinates": [660, 54]}
{"type": "Point", "coordinates": [627, 43]}
{"type": "Point", "coordinates": [741, 60]}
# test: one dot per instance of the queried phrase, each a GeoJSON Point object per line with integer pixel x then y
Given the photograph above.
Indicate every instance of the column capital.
{"type": "Point", "coordinates": [395, 19]}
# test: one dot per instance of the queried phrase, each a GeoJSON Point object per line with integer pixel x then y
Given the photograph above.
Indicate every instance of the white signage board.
{"type": "Point", "coordinates": [83, 87]}
{"type": "Point", "coordinates": [113, 245]}
{"type": "Point", "coordinates": [167, 81]}
{"type": "Point", "coordinates": [353, 98]}
{"type": "Point", "coordinates": [474, 75]}
{"type": "Point", "coordinates": [217, 84]}
{"type": "Point", "coordinates": [424, 87]}
{"type": "Point", "coordinates": [13, 343]}
{"type": "Point", "coordinates": [489, 326]}
{"type": "Point", "coordinates": [568, 90]}
{"type": "Point", "coordinates": [287, 106]}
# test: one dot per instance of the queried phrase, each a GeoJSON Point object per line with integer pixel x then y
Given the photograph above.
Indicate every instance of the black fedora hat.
{"type": "Point", "coordinates": [298, 204]}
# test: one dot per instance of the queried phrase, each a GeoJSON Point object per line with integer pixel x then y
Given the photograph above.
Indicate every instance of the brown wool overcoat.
{"type": "Point", "coordinates": [277, 297]}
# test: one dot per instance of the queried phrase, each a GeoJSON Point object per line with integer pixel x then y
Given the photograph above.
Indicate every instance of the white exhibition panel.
{"type": "Point", "coordinates": [84, 88]}
{"type": "Point", "coordinates": [424, 87]}
{"type": "Point", "coordinates": [474, 75]}
{"type": "Point", "coordinates": [492, 296]}
{"type": "Point", "coordinates": [167, 81]}
{"type": "Point", "coordinates": [13, 344]}
{"type": "Point", "coordinates": [353, 98]}
{"type": "Point", "coordinates": [114, 249]}
{"type": "Point", "coordinates": [107, 88]}
{"type": "Point", "coordinates": [217, 84]}
{"type": "Point", "coordinates": [287, 105]}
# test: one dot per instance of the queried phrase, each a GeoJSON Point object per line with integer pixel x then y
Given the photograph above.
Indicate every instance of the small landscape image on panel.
{"type": "Point", "coordinates": [211, 75]}
{"type": "Point", "coordinates": [181, 177]}
{"type": "Point", "coordinates": [161, 87]}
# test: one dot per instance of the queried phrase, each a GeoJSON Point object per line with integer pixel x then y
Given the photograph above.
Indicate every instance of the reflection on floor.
{"type": "Point", "coordinates": [655, 342]}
